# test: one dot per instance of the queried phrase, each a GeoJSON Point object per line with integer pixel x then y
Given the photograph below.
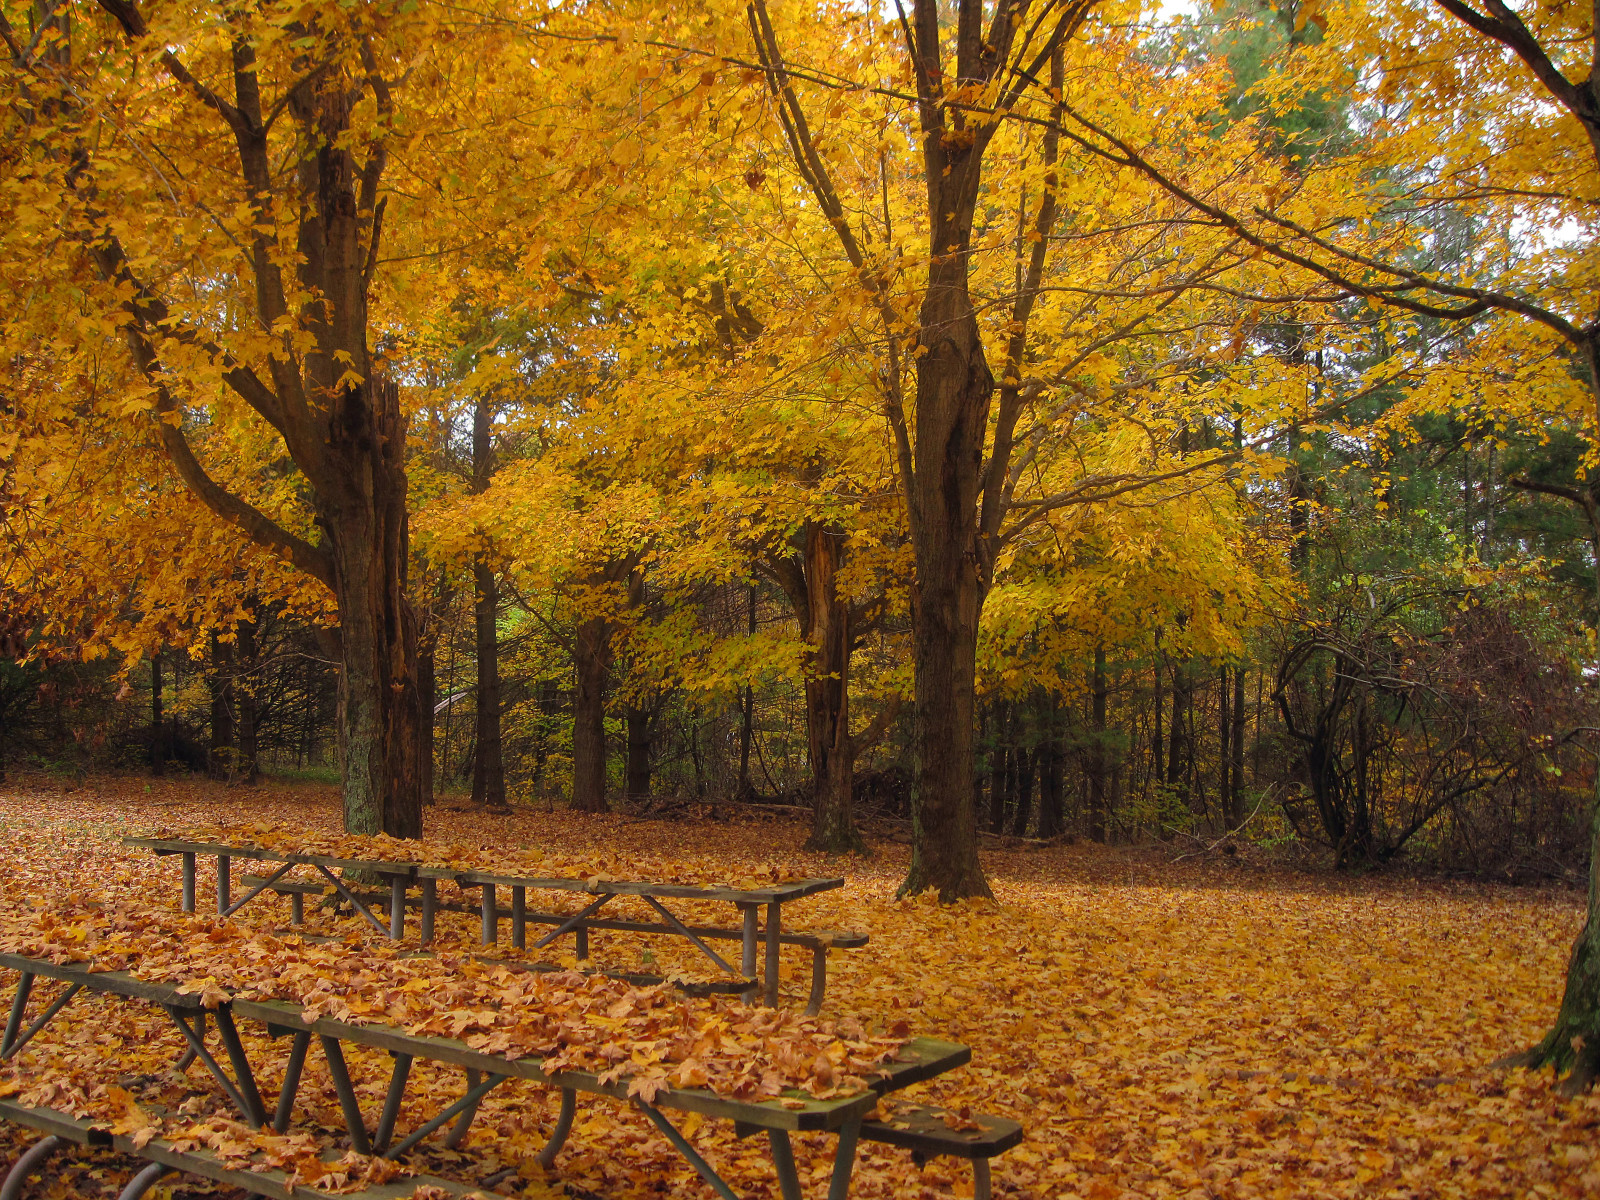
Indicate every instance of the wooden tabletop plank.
{"type": "Point", "coordinates": [778, 893]}
{"type": "Point", "coordinates": [273, 1183]}
{"type": "Point", "coordinates": [921, 1059]}
{"type": "Point", "coordinates": [117, 982]}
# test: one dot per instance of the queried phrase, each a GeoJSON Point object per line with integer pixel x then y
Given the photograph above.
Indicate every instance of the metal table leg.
{"type": "Point", "coordinates": [783, 1160]}
{"type": "Point", "coordinates": [844, 1160]}
{"type": "Point", "coordinates": [774, 930]}
{"type": "Point", "coordinates": [224, 883]}
{"type": "Point", "coordinates": [491, 917]}
{"type": "Point", "coordinates": [563, 1126]}
{"type": "Point", "coordinates": [188, 881]}
{"type": "Point", "coordinates": [430, 901]}
{"type": "Point", "coordinates": [397, 907]}
{"type": "Point", "coordinates": [143, 1182]}
{"type": "Point", "coordinates": [747, 961]}
{"type": "Point", "coordinates": [34, 1156]}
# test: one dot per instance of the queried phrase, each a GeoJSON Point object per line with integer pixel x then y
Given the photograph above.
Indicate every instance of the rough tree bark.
{"type": "Point", "coordinates": [222, 761]}
{"type": "Point", "coordinates": [941, 463]}
{"type": "Point", "coordinates": [809, 579]}
{"type": "Point", "coordinates": [321, 392]}
{"type": "Point", "coordinates": [247, 709]}
{"type": "Point", "coordinates": [591, 661]}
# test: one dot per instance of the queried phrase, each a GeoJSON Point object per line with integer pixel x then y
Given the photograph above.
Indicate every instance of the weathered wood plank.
{"type": "Point", "coordinates": [812, 1114]}
{"type": "Point", "coordinates": [923, 1129]}
{"type": "Point", "coordinates": [117, 982]}
{"type": "Point", "coordinates": [271, 1183]}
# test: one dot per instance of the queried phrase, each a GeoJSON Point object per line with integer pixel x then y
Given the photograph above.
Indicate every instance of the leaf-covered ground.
{"type": "Point", "coordinates": [1160, 1029]}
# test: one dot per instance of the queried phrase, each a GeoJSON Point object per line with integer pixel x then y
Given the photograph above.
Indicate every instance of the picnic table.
{"type": "Point", "coordinates": [846, 1116]}
{"type": "Point", "coordinates": [400, 875]}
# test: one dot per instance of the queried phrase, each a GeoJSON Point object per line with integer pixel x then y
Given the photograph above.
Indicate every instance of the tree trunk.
{"type": "Point", "coordinates": [1572, 1046]}
{"type": "Point", "coordinates": [641, 722]}
{"type": "Point", "coordinates": [747, 716]}
{"type": "Point", "coordinates": [591, 651]}
{"type": "Point", "coordinates": [223, 758]}
{"type": "Point", "coordinates": [997, 761]}
{"type": "Point", "coordinates": [1236, 794]}
{"type": "Point", "coordinates": [1027, 764]}
{"type": "Point", "coordinates": [488, 766]}
{"type": "Point", "coordinates": [1050, 771]}
{"type": "Point", "coordinates": [827, 634]}
{"type": "Point", "coordinates": [428, 693]}
{"type": "Point", "coordinates": [247, 712]}
{"type": "Point", "coordinates": [1178, 752]}
{"type": "Point", "coordinates": [158, 737]}
{"type": "Point", "coordinates": [1099, 792]}
{"type": "Point", "coordinates": [1224, 749]}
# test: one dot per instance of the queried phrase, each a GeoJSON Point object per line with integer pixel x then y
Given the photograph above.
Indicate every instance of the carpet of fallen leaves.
{"type": "Point", "coordinates": [1162, 1029]}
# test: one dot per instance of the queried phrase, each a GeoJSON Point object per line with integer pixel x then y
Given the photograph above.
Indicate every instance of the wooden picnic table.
{"type": "Point", "coordinates": [919, 1059]}
{"type": "Point", "coordinates": [751, 934]}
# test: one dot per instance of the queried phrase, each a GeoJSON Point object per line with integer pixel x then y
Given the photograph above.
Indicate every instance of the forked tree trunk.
{"type": "Point", "coordinates": [591, 652]}
{"type": "Point", "coordinates": [827, 633]}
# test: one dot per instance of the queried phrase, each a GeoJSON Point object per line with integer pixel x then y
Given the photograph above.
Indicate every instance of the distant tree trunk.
{"type": "Point", "coordinates": [428, 687]}
{"type": "Point", "coordinates": [640, 731]}
{"type": "Point", "coordinates": [1177, 741]}
{"type": "Point", "coordinates": [1005, 737]}
{"type": "Point", "coordinates": [1099, 792]}
{"type": "Point", "coordinates": [158, 735]}
{"type": "Point", "coordinates": [1050, 771]}
{"type": "Point", "coordinates": [247, 658]}
{"type": "Point", "coordinates": [223, 759]}
{"type": "Point", "coordinates": [997, 762]}
{"type": "Point", "coordinates": [1027, 762]}
{"type": "Point", "coordinates": [591, 654]}
{"type": "Point", "coordinates": [827, 634]}
{"type": "Point", "coordinates": [488, 766]}
{"type": "Point", "coordinates": [747, 716]}
{"type": "Point", "coordinates": [1224, 749]}
{"type": "Point", "coordinates": [1236, 795]}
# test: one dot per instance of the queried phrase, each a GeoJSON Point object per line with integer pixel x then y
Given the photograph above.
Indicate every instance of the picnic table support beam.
{"type": "Point", "coordinates": [491, 916]}
{"type": "Point", "coordinates": [224, 883]}
{"type": "Point", "coordinates": [682, 1146]}
{"type": "Point", "coordinates": [519, 918]}
{"type": "Point", "coordinates": [244, 1077]}
{"type": "Point", "coordinates": [188, 1056]}
{"type": "Point", "coordinates": [458, 1131]}
{"type": "Point", "coordinates": [397, 907]}
{"type": "Point", "coordinates": [143, 1181]}
{"type": "Point", "coordinates": [297, 909]}
{"type": "Point", "coordinates": [844, 1159]}
{"type": "Point", "coordinates": [583, 941]}
{"type": "Point", "coordinates": [34, 1156]}
{"type": "Point", "coordinates": [683, 930]}
{"type": "Point", "coordinates": [347, 1095]}
{"type": "Point", "coordinates": [467, 1103]}
{"type": "Point", "coordinates": [783, 1161]}
{"type": "Point", "coordinates": [61, 1002]}
{"type": "Point", "coordinates": [19, 1009]}
{"type": "Point", "coordinates": [391, 1101]}
{"type": "Point", "coordinates": [774, 931]}
{"type": "Point", "coordinates": [291, 1080]}
{"type": "Point", "coordinates": [819, 980]}
{"type": "Point", "coordinates": [188, 881]}
{"type": "Point", "coordinates": [751, 915]}
{"type": "Point", "coordinates": [255, 891]}
{"type": "Point", "coordinates": [339, 886]}
{"type": "Point", "coordinates": [980, 1179]}
{"type": "Point", "coordinates": [430, 901]}
{"type": "Point", "coordinates": [563, 1126]}
{"type": "Point", "coordinates": [575, 922]}
{"type": "Point", "coordinates": [244, 1096]}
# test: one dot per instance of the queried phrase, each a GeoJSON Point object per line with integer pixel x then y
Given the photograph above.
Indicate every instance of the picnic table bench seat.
{"type": "Point", "coordinates": [927, 1132]}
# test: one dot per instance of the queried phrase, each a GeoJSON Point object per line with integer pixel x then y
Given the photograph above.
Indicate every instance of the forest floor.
{"type": "Point", "coordinates": [1201, 1028]}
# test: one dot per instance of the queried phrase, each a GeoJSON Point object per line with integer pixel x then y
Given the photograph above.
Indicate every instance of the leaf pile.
{"type": "Point", "coordinates": [652, 1036]}
{"type": "Point", "coordinates": [536, 862]}
{"type": "Point", "coordinates": [1161, 1029]}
